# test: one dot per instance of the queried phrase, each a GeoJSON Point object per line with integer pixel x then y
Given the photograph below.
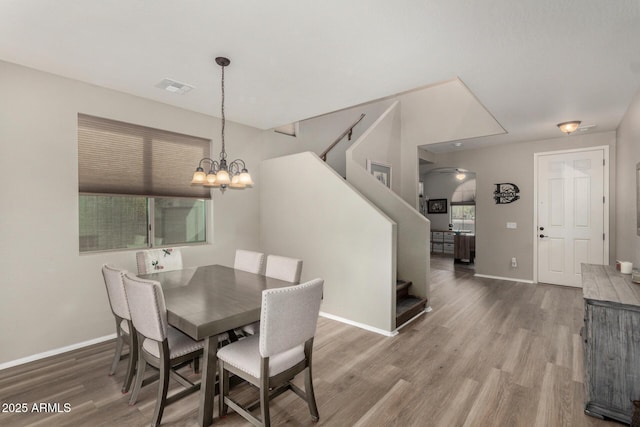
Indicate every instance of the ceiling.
{"type": "Point", "coordinates": [531, 63]}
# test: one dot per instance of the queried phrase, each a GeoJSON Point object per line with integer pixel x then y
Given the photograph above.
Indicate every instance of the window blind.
{"type": "Point", "coordinates": [126, 159]}
{"type": "Point", "coordinates": [464, 194]}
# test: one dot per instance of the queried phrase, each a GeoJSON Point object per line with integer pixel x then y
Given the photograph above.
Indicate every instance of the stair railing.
{"type": "Point", "coordinates": [348, 131]}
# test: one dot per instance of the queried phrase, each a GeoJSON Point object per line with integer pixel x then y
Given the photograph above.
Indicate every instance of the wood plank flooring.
{"type": "Point", "coordinates": [491, 353]}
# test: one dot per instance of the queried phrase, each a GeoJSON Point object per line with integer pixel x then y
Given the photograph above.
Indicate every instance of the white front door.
{"type": "Point", "coordinates": [571, 214]}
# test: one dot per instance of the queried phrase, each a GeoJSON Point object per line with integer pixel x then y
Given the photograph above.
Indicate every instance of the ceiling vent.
{"type": "Point", "coordinates": [174, 86]}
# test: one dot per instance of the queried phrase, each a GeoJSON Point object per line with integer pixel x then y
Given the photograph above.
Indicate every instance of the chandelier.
{"type": "Point", "coordinates": [232, 175]}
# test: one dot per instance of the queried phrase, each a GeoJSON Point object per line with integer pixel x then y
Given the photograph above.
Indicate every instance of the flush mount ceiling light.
{"type": "Point", "coordinates": [568, 127]}
{"type": "Point", "coordinates": [460, 175]}
{"type": "Point", "coordinates": [233, 175]}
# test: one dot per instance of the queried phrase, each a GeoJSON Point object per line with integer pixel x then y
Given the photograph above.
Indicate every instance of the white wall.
{"type": "Point", "coordinates": [628, 147]}
{"type": "Point", "coordinates": [382, 140]}
{"type": "Point", "coordinates": [52, 296]}
{"type": "Point", "coordinates": [308, 211]}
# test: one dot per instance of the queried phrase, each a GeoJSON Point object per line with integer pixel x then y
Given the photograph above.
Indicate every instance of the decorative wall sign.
{"type": "Point", "coordinates": [435, 206]}
{"type": "Point", "coordinates": [506, 192]}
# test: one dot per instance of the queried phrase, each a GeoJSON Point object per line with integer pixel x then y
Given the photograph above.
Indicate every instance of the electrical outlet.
{"type": "Point", "coordinates": [514, 262]}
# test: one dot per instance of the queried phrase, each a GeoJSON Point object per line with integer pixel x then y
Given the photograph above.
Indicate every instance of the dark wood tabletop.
{"type": "Point", "coordinates": [210, 300]}
{"type": "Point", "coordinates": [204, 302]}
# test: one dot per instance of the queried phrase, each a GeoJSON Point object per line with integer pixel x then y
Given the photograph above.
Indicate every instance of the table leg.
{"type": "Point", "coordinates": [208, 384]}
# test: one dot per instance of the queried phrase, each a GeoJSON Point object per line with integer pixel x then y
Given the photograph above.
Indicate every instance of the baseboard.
{"type": "Point", "coordinates": [61, 350]}
{"type": "Point", "coordinates": [426, 310]}
{"type": "Point", "coordinates": [508, 279]}
{"type": "Point", "coordinates": [359, 325]}
{"type": "Point", "coordinates": [55, 352]}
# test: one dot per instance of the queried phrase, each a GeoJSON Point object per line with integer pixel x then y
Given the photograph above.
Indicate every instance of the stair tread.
{"type": "Point", "coordinates": [402, 284]}
{"type": "Point", "coordinates": [409, 302]}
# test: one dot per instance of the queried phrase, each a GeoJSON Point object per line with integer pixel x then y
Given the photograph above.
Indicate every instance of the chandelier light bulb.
{"type": "Point", "coordinates": [199, 177]}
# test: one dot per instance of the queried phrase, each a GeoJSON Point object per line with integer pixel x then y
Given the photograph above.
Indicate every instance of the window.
{"type": "Point", "coordinates": [463, 218]}
{"type": "Point", "coordinates": [177, 221]}
{"type": "Point", "coordinates": [125, 222]}
{"type": "Point", "coordinates": [134, 187]}
{"type": "Point", "coordinates": [463, 206]}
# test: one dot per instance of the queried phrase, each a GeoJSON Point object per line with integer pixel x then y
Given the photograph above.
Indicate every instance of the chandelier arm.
{"type": "Point", "coordinates": [239, 165]}
{"type": "Point", "coordinates": [213, 165]}
{"type": "Point", "coordinates": [205, 159]}
{"type": "Point", "coordinates": [233, 168]}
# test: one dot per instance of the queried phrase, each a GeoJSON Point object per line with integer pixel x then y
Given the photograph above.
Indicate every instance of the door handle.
{"type": "Point", "coordinates": [542, 236]}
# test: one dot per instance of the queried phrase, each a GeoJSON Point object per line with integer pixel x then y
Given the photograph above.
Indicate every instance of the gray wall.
{"type": "Point", "coordinates": [54, 295]}
{"type": "Point", "coordinates": [441, 186]}
{"type": "Point", "coordinates": [627, 241]}
{"type": "Point", "coordinates": [382, 141]}
{"type": "Point", "coordinates": [317, 133]}
{"type": "Point", "coordinates": [496, 244]}
{"type": "Point", "coordinates": [341, 236]}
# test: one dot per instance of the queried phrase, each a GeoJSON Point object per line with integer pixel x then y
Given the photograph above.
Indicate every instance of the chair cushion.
{"type": "Point", "coordinates": [179, 344]}
{"type": "Point", "coordinates": [245, 355]}
{"type": "Point", "coordinates": [124, 326]}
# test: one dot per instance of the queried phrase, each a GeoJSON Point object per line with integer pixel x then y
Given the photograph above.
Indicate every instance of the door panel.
{"type": "Point", "coordinates": [570, 215]}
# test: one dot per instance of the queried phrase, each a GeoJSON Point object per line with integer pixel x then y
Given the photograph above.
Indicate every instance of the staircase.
{"type": "Point", "coordinates": [407, 306]}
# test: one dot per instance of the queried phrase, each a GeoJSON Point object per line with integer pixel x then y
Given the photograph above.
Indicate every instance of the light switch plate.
{"type": "Point", "coordinates": [512, 225]}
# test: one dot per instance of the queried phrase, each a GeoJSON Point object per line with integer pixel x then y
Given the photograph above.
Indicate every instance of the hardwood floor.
{"type": "Point", "coordinates": [491, 353]}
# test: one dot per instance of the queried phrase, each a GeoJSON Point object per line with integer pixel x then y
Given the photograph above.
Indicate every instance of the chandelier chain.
{"type": "Point", "coordinates": [223, 154]}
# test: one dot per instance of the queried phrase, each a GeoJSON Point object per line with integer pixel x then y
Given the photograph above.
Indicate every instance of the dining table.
{"type": "Point", "coordinates": [204, 302]}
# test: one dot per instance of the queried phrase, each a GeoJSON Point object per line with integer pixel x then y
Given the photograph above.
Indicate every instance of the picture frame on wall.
{"type": "Point", "coordinates": [437, 206]}
{"type": "Point", "coordinates": [380, 171]}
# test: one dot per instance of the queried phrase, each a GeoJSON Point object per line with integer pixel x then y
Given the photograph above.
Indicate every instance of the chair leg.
{"type": "Point", "coordinates": [142, 364]}
{"type": "Point", "coordinates": [311, 397]}
{"type": "Point", "coordinates": [163, 387]}
{"type": "Point", "coordinates": [116, 357]}
{"type": "Point", "coordinates": [223, 385]}
{"type": "Point", "coordinates": [133, 360]}
{"type": "Point", "coordinates": [264, 393]}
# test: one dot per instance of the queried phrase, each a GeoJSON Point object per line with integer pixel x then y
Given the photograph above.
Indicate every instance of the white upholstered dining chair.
{"type": "Point", "coordinates": [162, 346]}
{"type": "Point", "coordinates": [282, 349]}
{"type": "Point", "coordinates": [278, 267]}
{"type": "Point", "coordinates": [284, 268]}
{"type": "Point", "coordinates": [125, 332]}
{"type": "Point", "coordinates": [250, 261]}
{"type": "Point", "coordinates": [158, 260]}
